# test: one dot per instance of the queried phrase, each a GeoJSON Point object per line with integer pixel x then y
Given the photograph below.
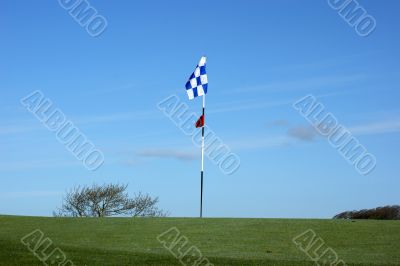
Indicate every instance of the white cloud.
{"type": "Point", "coordinates": [37, 164]}
{"type": "Point", "coordinates": [168, 153]}
{"type": "Point", "coordinates": [14, 129]}
{"type": "Point", "coordinates": [30, 194]}
{"type": "Point", "coordinates": [255, 143]}
{"type": "Point", "coordinates": [309, 84]}
{"type": "Point", "coordinates": [116, 117]}
{"type": "Point", "coordinates": [381, 127]}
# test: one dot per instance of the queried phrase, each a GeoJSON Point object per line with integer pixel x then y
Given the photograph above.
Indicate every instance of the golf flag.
{"type": "Point", "coordinates": [197, 83]}
{"type": "Point", "coordinates": [200, 122]}
{"type": "Point", "coordinates": [197, 86]}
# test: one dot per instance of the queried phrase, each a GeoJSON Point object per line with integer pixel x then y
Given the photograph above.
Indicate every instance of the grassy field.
{"type": "Point", "coordinates": [128, 241]}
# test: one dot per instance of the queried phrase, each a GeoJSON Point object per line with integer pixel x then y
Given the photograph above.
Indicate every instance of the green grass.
{"type": "Point", "coordinates": [128, 241]}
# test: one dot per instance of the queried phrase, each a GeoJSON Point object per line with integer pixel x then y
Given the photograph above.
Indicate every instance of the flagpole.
{"type": "Point", "coordinates": [202, 158]}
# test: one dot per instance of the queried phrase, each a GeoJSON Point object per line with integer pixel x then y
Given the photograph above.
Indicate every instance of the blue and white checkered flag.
{"type": "Point", "coordinates": [197, 84]}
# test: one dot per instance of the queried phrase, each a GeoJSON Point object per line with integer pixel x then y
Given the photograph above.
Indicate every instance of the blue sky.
{"type": "Point", "coordinates": [262, 56]}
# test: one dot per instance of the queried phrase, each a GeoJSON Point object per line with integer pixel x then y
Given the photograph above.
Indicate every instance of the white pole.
{"type": "Point", "coordinates": [202, 157]}
{"type": "Point", "coordinates": [202, 136]}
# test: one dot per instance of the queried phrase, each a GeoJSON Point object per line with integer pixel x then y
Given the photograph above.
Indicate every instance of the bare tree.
{"type": "Point", "coordinates": [75, 204]}
{"type": "Point", "coordinates": [107, 200]}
